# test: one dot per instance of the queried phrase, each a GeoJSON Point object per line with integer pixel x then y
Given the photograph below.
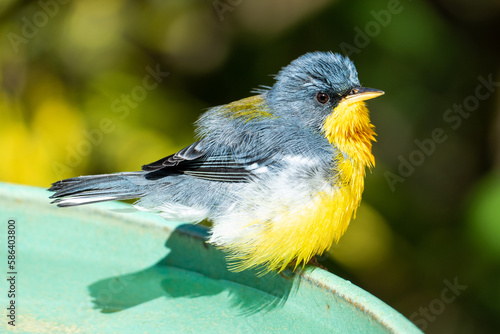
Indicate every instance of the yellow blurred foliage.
{"type": "Point", "coordinates": [30, 150]}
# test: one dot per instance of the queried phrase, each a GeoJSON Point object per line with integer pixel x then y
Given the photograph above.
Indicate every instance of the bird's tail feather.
{"type": "Point", "coordinates": [98, 188]}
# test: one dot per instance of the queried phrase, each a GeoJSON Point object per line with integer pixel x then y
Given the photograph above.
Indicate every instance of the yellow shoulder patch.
{"type": "Point", "coordinates": [250, 108]}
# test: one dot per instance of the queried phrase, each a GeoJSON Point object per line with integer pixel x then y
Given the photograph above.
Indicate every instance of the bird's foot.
{"type": "Point", "coordinates": [314, 262]}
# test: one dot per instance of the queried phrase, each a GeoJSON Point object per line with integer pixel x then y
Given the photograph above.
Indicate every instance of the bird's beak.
{"type": "Point", "coordinates": [361, 94]}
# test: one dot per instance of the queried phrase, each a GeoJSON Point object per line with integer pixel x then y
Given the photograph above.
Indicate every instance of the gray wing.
{"type": "Point", "coordinates": [195, 160]}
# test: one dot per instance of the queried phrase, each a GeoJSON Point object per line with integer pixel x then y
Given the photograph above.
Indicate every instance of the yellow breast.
{"type": "Point", "coordinates": [328, 215]}
{"type": "Point", "coordinates": [350, 130]}
{"type": "Point", "coordinates": [295, 235]}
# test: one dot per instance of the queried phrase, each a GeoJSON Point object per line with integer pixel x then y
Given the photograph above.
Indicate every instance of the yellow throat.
{"type": "Point", "coordinates": [350, 130]}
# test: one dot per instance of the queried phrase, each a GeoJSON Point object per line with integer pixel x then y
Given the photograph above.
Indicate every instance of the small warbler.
{"type": "Point", "coordinates": [279, 174]}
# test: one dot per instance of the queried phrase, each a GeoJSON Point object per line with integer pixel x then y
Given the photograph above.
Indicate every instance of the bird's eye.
{"type": "Point", "coordinates": [322, 98]}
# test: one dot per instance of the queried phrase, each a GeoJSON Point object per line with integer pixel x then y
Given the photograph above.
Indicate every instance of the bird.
{"type": "Point", "coordinates": [279, 174]}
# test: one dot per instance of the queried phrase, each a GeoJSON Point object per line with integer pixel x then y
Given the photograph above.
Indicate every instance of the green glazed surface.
{"type": "Point", "coordinates": [108, 268]}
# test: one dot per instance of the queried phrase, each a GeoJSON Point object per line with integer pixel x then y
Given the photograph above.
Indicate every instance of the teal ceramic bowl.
{"type": "Point", "coordinates": [107, 268]}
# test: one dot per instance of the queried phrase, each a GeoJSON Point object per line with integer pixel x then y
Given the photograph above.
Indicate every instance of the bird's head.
{"type": "Point", "coordinates": [317, 86]}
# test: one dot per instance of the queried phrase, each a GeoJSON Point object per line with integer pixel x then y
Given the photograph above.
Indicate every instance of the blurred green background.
{"type": "Point", "coordinates": [77, 97]}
